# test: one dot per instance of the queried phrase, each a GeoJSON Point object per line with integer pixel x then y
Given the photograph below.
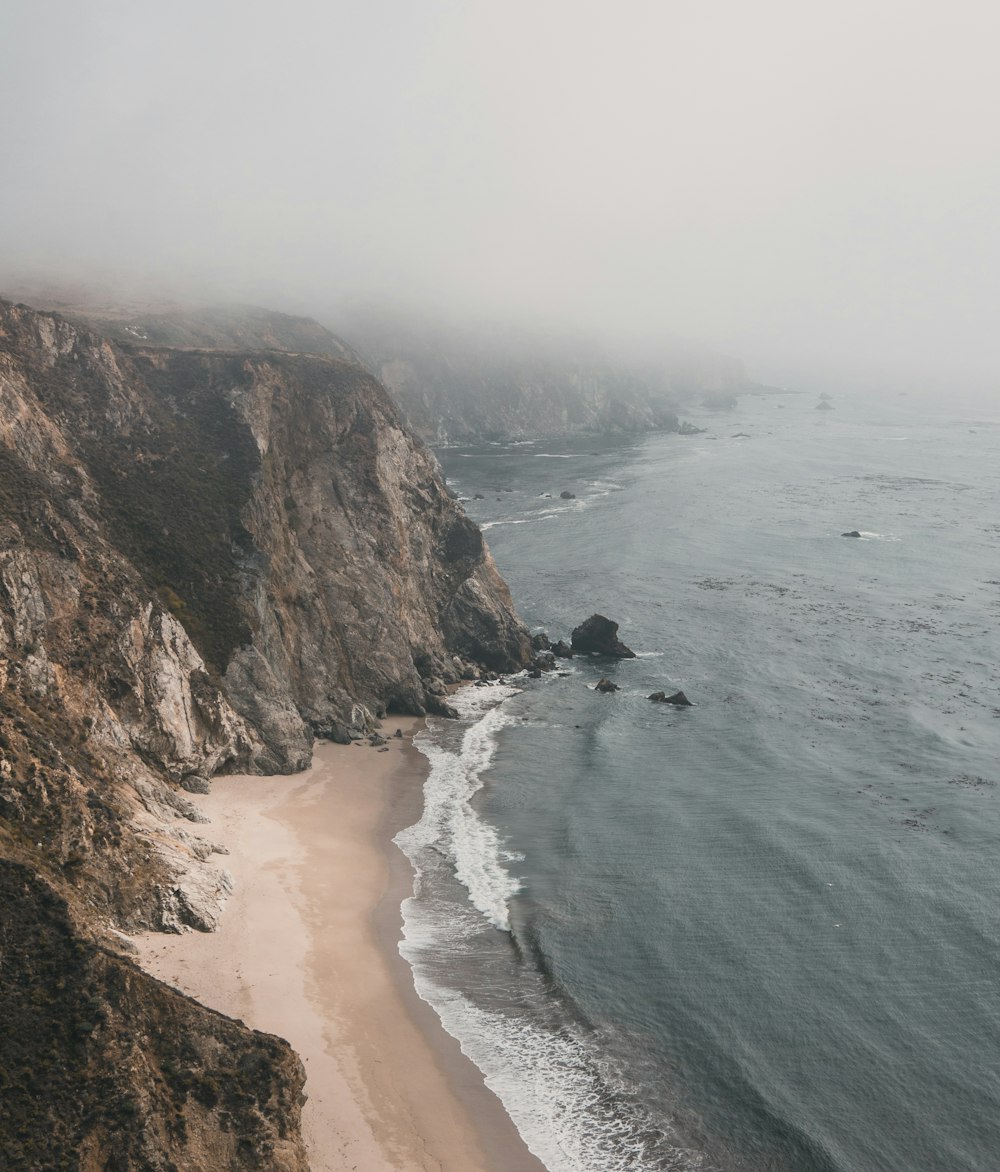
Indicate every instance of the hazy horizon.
{"type": "Point", "coordinates": [811, 191]}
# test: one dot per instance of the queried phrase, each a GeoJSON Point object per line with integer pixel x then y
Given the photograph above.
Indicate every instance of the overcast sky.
{"type": "Point", "coordinates": [812, 186]}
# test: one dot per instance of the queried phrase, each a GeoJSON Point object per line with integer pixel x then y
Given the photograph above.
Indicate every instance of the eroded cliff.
{"type": "Point", "coordinates": [205, 559]}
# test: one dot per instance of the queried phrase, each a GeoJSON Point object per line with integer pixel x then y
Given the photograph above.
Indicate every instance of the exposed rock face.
{"type": "Point", "coordinates": [599, 636]}
{"type": "Point", "coordinates": [205, 558]}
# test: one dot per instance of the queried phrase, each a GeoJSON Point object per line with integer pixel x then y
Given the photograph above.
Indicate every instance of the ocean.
{"type": "Point", "coordinates": [763, 932]}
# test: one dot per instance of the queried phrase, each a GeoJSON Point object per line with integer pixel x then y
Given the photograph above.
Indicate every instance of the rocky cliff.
{"type": "Point", "coordinates": [496, 384]}
{"type": "Point", "coordinates": [206, 557]}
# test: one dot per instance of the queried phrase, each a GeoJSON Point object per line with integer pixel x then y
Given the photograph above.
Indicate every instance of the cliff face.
{"type": "Point", "coordinates": [464, 387]}
{"type": "Point", "coordinates": [205, 558]}
{"type": "Point", "coordinates": [471, 386]}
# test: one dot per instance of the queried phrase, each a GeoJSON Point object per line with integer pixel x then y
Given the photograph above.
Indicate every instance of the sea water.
{"type": "Point", "coordinates": [762, 932]}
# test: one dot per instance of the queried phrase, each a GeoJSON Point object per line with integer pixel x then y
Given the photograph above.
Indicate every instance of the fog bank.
{"type": "Point", "coordinates": [812, 188]}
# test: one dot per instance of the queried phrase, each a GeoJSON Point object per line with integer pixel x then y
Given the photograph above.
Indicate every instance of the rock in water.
{"type": "Point", "coordinates": [823, 405]}
{"type": "Point", "coordinates": [567, 496]}
{"type": "Point", "coordinates": [606, 686]}
{"type": "Point", "coordinates": [678, 699]}
{"type": "Point", "coordinates": [599, 636]}
{"type": "Point", "coordinates": [853, 533]}
{"type": "Point", "coordinates": [563, 650]}
{"type": "Point", "coordinates": [545, 661]}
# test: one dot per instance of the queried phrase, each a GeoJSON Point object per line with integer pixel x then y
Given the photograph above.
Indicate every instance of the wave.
{"type": "Point", "coordinates": [555, 1087]}
{"type": "Point", "coordinates": [449, 825]}
{"type": "Point", "coordinates": [484, 525]}
{"type": "Point", "coordinates": [572, 1107]}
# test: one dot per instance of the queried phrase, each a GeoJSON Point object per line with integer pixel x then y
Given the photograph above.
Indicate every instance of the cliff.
{"type": "Point", "coordinates": [479, 385]}
{"type": "Point", "coordinates": [206, 557]}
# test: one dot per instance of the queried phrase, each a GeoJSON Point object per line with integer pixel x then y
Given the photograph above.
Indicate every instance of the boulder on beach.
{"type": "Point", "coordinates": [853, 533]}
{"type": "Point", "coordinates": [605, 686]}
{"type": "Point", "coordinates": [678, 699]}
{"type": "Point", "coordinates": [599, 636]}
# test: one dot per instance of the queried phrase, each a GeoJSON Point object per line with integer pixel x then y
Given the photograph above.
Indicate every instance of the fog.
{"type": "Point", "coordinates": [812, 187]}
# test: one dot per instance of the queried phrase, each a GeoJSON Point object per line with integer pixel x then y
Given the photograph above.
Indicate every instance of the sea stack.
{"type": "Point", "coordinates": [599, 636]}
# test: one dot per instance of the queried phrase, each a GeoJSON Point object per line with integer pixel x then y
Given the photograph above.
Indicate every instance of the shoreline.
{"type": "Point", "coordinates": [307, 948]}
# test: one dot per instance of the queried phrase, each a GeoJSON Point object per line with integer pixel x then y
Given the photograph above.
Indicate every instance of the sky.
{"type": "Point", "coordinates": [813, 187]}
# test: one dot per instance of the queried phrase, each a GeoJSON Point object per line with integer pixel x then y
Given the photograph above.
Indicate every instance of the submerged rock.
{"type": "Point", "coordinates": [599, 636]}
{"type": "Point", "coordinates": [567, 496]}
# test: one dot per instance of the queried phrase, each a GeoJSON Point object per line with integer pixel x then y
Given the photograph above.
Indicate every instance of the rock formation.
{"type": "Point", "coordinates": [468, 385]}
{"type": "Point", "coordinates": [599, 636]}
{"type": "Point", "coordinates": [677, 698]}
{"type": "Point", "coordinates": [206, 558]}
{"type": "Point", "coordinates": [606, 685]}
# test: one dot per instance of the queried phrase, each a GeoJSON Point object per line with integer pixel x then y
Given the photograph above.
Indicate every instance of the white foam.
{"type": "Point", "coordinates": [449, 825]}
{"type": "Point", "coordinates": [552, 1084]}
{"type": "Point", "coordinates": [519, 521]}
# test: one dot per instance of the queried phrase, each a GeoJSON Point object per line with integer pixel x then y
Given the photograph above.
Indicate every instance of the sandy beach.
{"type": "Point", "coordinates": [307, 950]}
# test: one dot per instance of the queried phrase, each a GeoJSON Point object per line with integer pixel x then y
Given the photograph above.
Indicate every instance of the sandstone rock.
{"type": "Point", "coordinates": [439, 707]}
{"type": "Point", "coordinates": [195, 784]}
{"type": "Point", "coordinates": [599, 636]}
